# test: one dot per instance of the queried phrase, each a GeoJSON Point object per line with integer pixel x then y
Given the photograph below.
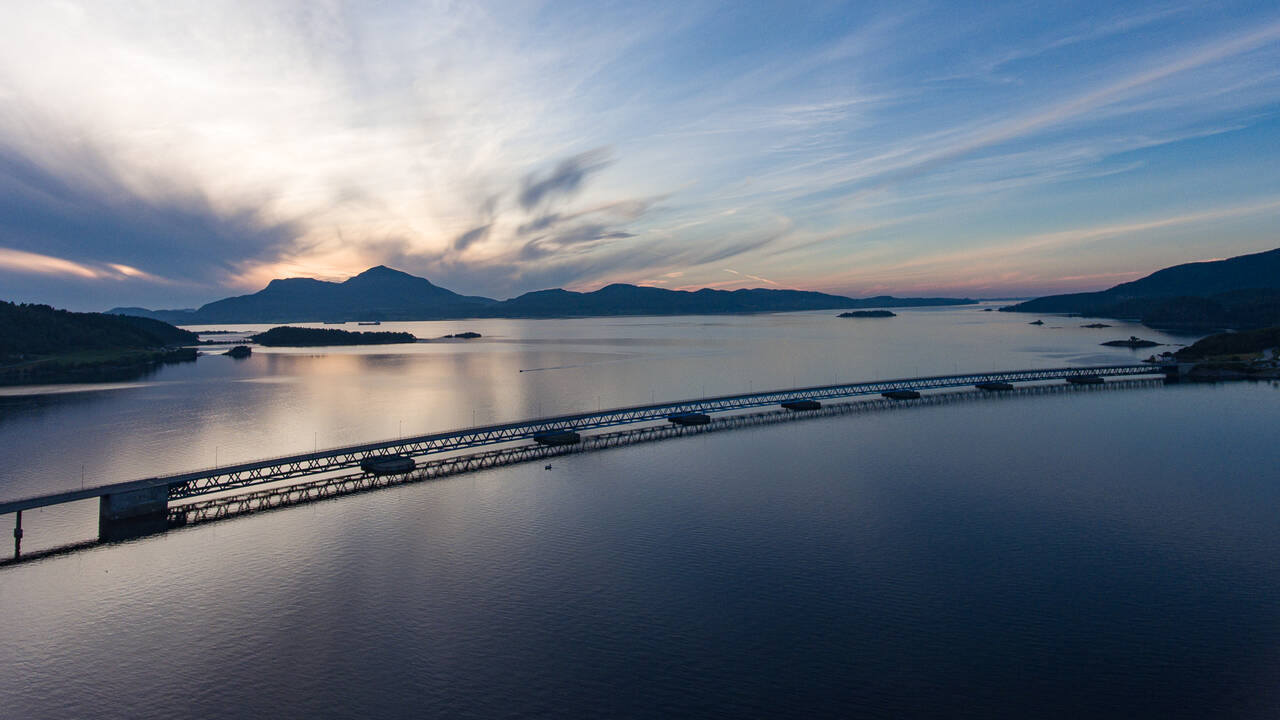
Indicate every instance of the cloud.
{"type": "Point", "coordinates": [573, 239]}
{"type": "Point", "coordinates": [565, 180]}
{"type": "Point", "coordinates": [476, 234]}
{"type": "Point", "coordinates": [77, 207]}
{"type": "Point", "coordinates": [221, 144]}
{"type": "Point", "coordinates": [28, 262]}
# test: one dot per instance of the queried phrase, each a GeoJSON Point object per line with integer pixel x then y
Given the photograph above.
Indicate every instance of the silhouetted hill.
{"type": "Point", "coordinates": [42, 330]}
{"type": "Point", "coordinates": [619, 299]}
{"type": "Point", "coordinates": [1232, 343]}
{"type": "Point", "coordinates": [1242, 291]}
{"type": "Point", "coordinates": [41, 344]}
{"type": "Point", "coordinates": [378, 293]}
{"type": "Point", "coordinates": [381, 293]}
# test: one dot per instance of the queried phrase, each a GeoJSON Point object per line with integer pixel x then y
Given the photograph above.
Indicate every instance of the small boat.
{"type": "Point", "coordinates": [994, 386]}
{"type": "Point", "coordinates": [372, 322]}
{"type": "Point", "coordinates": [901, 395]}
{"type": "Point", "coordinates": [387, 464]}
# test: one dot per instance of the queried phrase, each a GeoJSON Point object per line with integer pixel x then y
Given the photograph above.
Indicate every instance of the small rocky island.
{"type": "Point", "coordinates": [288, 336]}
{"type": "Point", "coordinates": [1096, 325]}
{"type": "Point", "coordinates": [239, 351]}
{"type": "Point", "coordinates": [1036, 322]}
{"type": "Point", "coordinates": [1132, 342]}
{"type": "Point", "coordinates": [461, 336]}
{"type": "Point", "coordinates": [867, 314]}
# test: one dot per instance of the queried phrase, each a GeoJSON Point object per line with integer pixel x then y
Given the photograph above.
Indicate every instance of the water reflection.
{"type": "Point", "coordinates": [285, 400]}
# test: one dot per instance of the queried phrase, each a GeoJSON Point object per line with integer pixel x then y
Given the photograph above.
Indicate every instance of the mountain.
{"type": "Point", "coordinates": [619, 299]}
{"type": "Point", "coordinates": [381, 293]}
{"type": "Point", "coordinates": [1241, 291]}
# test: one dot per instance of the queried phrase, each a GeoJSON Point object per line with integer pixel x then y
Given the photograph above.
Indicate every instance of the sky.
{"type": "Point", "coordinates": [170, 153]}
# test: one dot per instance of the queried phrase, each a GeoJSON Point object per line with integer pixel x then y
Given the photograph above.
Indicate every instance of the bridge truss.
{"type": "Point", "coordinates": [229, 478]}
{"type": "Point", "coordinates": [204, 510]}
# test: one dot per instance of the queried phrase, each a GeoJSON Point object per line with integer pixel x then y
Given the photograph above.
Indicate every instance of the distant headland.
{"type": "Point", "coordinates": [41, 344]}
{"type": "Point", "coordinates": [381, 293]}
{"type": "Point", "coordinates": [1241, 292]}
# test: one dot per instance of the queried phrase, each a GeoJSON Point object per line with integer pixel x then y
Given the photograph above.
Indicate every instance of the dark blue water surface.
{"type": "Point", "coordinates": [1099, 553]}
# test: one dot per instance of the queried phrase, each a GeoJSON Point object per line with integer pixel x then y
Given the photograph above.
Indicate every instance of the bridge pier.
{"type": "Point", "coordinates": [17, 537]}
{"type": "Point", "coordinates": [133, 513]}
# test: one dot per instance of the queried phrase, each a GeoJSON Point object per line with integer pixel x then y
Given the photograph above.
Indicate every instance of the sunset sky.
{"type": "Point", "coordinates": [170, 153]}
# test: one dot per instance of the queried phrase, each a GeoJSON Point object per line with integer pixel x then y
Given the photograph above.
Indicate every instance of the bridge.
{"type": "Point", "coordinates": [139, 507]}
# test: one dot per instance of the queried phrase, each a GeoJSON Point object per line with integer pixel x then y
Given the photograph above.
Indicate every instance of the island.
{"type": "Point", "coordinates": [39, 343]}
{"type": "Point", "coordinates": [867, 314]}
{"type": "Point", "coordinates": [1132, 342]}
{"type": "Point", "coordinates": [239, 351]}
{"type": "Point", "coordinates": [287, 336]}
{"type": "Point", "coordinates": [462, 336]}
{"type": "Point", "coordinates": [1096, 325]}
{"type": "Point", "coordinates": [1036, 322]}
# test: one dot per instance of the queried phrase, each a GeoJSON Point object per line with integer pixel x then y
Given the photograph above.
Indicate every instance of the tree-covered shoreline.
{"type": "Point", "coordinates": [289, 336]}
{"type": "Point", "coordinates": [39, 343]}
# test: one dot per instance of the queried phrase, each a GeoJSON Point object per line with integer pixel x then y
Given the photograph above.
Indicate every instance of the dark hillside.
{"type": "Point", "coordinates": [1240, 292]}
{"type": "Point", "coordinates": [43, 330]}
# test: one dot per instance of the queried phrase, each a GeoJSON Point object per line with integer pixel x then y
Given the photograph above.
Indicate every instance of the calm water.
{"type": "Point", "coordinates": [1097, 554]}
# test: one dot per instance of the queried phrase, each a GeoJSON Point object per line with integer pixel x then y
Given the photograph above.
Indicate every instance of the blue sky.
{"type": "Point", "coordinates": [171, 153]}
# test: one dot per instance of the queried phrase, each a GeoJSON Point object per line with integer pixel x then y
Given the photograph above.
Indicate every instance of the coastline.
{"type": "Point", "coordinates": [93, 365]}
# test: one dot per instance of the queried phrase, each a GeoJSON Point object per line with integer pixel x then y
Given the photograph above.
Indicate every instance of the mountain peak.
{"type": "Point", "coordinates": [381, 275]}
{"type": "Point", "coordinates": [384, 271]}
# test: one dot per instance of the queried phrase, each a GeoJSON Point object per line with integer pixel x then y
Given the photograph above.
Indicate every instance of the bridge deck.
{"type": "Point", "coordinates": [230, 477]}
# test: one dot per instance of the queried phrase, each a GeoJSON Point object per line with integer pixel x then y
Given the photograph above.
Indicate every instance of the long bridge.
{"type": "Point", "coordinates": [138, 507]}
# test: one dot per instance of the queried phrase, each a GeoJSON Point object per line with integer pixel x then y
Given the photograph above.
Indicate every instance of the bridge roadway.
{"type": "Point", "coordinates": [231, 477]}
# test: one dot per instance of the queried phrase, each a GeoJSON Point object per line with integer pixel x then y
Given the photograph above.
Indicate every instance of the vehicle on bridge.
{"type": "Point", "coordinates": [690, 419]}
{"type": "Point", "coordinates": [801, 405]}
{"type": "Point", "coordinates": [902, 394]}
{"type": "Point", "coordinates": [387, 464]}
{"type": "Point", "coordinates": [556, 438]}
{"type": "Point", "coordinates": [1085, 380]}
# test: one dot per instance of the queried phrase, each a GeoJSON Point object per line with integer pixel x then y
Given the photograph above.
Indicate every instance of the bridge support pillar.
{"type": "Point", "coordinates": [133, 513]}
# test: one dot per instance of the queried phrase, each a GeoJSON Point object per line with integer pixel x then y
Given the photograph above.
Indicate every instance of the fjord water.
{"type": "Point", "coordinates": [1093, 554]}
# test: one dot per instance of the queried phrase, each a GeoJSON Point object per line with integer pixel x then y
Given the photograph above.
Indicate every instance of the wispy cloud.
{"type": "Point", "coordinates": [501, 147]}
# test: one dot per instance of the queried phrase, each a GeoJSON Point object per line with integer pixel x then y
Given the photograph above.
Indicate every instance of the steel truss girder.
{"type": "Point", "coordinates": [275, 470]}
{"type": "Point", "coordinates": [187, 485]}
{"type": "Point", "coordinates": [276, 497]}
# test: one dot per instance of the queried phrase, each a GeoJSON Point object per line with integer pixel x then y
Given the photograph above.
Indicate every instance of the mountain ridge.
{"type": "Point", "coordinates": [383, 293]}
{"type": "Point", "coordinates": [1242, 291]}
